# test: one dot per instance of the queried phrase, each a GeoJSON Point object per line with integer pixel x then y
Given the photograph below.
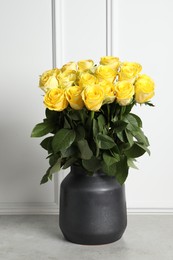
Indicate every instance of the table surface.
{"type": "Point", "coordinates": [147, 237]}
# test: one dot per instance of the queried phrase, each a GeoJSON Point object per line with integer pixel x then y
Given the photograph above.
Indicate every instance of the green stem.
{"type": "Point", "coordinates": [91, 122]}
{"type": "Point", "coordinates": [82, 116]}
{"type": "Point", "coordinates": [68, 120]}
{"type": "Point", "coordinates": [92, 115]}
{"type": "Point", "coordinates": [97, 151]}
{"type": "Point", "coordinates": [108, 110]}
{"type": "Point", "coordinates": [122, 109]}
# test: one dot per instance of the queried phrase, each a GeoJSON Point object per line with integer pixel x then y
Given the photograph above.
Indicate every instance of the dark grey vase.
{"type": "Point", "coordinates": [92, 208]}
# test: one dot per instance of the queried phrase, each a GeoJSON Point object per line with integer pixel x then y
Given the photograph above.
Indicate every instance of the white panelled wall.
{"type": "Point", "coordinates": [36, 35]}
{"type": "Point", "coordinates": [142, 31]}
{"type": "Point", "coordinates": [25, 51]}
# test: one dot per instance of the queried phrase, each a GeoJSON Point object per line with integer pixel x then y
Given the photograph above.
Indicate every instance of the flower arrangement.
{"type": "Point", "coordinates": [88, 114]}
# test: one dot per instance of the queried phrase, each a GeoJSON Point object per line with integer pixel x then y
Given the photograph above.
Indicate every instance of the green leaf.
{"type": "Point", "coordinates": [119, 126]}
{"type": "Point", "coordinates": [131, 119]}
{"type": "Point", "coordinates": [69, 162]}
{"type": "Point", "coordinates": [83, 115]}
{"type": "Point", "coordinates": [116, 157]}
{"type": "Point", "coordinates": [95, 128]}
{"type": "Point", "coordinates": [63, 139]}
{"type": "Point", "coordinates": [80, 132]}
{"type": "Point", "coordinates": [51, 114]}
{"type": "Point", "coordinates": [91, 165]}
{"type": "Point", "coordinates": [128, 109]}
{"type": "Point", "coordinates": [135, 151]}
{"type": "Point", "coordinates": [45, 178]}
{"type": "Point", "coordinates": [72, 150]}
{"type": "Point", "coordinates": [74, 115]}
{"type": "Point", "coordinates": [56, 167]}
{"type": "Point", "coordinates": [149, 104]}
{"type": "Point", "coordinates": [115, 150]}
{"type": "Point", "coordinates": [114, 118]}
{"type": "Point", "coordinates": [101, 123]}
{"type": "Point", "coordinates": [124, 146]}
{"type": "Point", "coordinates": [46, 144]}
{"type": "Point", "coordinates": [141, 138]}
{"type": "Point", "coordinates": [53, 158]}
{"type": "Point", "coordinates": [109, 160]}
{"type": "Point", "coordinates": [84, 149]}
{"type": "Point", "coordinates": [66, 124]}
{"type": "Point", "coordinates": [105, 141]}
{"type": "Point", "coordinates": [144, 147]}
{"type": "Point", "coordinates": [110, 170]}
{"type": "Point", "coordinates": [129, 137]}
{"type": "Point", "coordinates": [132, 128]}
{"type": "Point", "coordinates": [130, 163]}
{"type": "Point", "coordinates": [137, 118]}
{"type": "Point", "coordinates": [42, 129]}
{"type": "Point", "coordinates": [120, 136]}
{"type": "Point", "coordinates": [122, 170]}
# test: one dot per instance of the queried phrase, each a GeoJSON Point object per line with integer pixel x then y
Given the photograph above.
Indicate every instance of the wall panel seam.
{"type": "Point", "coordinates": [108, 27]}
{"type": "Point", "coordinates": [115, 28]}
{"type": "Point", "coordinates": [53, 15]}
{"type": "Point", "coordinates": [56, 6]}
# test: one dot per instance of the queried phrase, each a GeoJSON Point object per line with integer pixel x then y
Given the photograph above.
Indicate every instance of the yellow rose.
{"type": "Point", "coordinates": [74, 97]}
{"type": "Point", "coordinates": [48, 79]}
{"type": "Point", "coordinates": [69, 66]}
{"type": "Point", "coordinates": [93, 97]}
{"type": "Point", "coordinates": [124, 92]}
{"type": "Point", "coordinates": [86, 79]}
{"type": "Point", "coordinates": [129, 70]}
{"type": "Point", "coordinates": [104, 72]}
{"type": "Point", "coordinates": [111, 61]}
{"type": "Point", "coordinates": [55, 99]}
{"type": "Point", "coordinates": [144, 89]}
{"type": "Point", "coordinates": [67, 78]}
{"type": "Point", "coordinates": [109, 91]}
{"type": "Point", "coordinates": [84, 65]}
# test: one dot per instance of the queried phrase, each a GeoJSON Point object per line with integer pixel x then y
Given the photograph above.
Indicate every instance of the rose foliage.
{"type": "Point", "coordinates": [89, 119]}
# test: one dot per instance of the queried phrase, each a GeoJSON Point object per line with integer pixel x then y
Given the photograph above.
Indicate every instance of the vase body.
{"type": "Point", "coordinates": [92, 208]}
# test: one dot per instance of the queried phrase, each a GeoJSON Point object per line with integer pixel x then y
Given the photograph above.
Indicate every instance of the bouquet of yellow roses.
{"type": "Point", "coordinates": [88, 116]}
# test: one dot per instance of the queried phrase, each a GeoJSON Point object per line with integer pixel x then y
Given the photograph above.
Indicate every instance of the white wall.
{"type": "Point", "coordinates": [25, 51]}
{"type": "Point", "coordinates": [137, 31]}
{"type": "Point", "coordinates": [142, 31]}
